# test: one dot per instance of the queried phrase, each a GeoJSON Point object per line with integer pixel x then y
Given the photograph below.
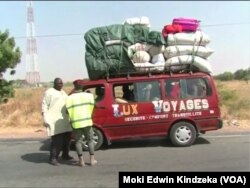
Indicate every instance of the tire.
{"type": "Point", "coordinates": [183, 134]}
{"type": "Point", "coordinates": [98, 140]}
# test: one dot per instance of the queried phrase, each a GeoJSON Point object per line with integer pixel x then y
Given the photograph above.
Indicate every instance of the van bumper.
{"type": "Point", "coordinates": [212, 124]}
{"type": "Point", "coordinates": [220, 123]}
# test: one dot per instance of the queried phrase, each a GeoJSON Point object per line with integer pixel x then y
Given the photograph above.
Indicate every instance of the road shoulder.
{"type": "Point", "coordinates": [40, 132]}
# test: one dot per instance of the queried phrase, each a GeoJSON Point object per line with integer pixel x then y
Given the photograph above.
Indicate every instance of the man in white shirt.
{"type": "Point", "coordinates": [57, 122]}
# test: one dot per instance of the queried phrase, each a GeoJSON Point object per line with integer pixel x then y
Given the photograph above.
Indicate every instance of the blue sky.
{"type": "Point", "coordinates": [227, 23]}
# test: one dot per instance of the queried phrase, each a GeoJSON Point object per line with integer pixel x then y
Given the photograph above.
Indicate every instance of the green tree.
{"type": "Point", "coordinates": [240, 74]}
{"type": "Point", "coordinates": [10, 56]}
{"type": "Point", "coordinates": [247, 76]}
{"type": "Point", "coordinates": [226, 76]}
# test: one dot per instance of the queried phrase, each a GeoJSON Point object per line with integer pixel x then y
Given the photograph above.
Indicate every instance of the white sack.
{"type": "Point", "coordinates": [141, 57]}
{"type": "Point", "coordinates": [138, 20]}
{"type": "Point", "coordinates": [149, 67]}
{"type": "Point", "coordinates": [158, 58]}
{"type": "Point", "coordinates": [177, 68]}
{"type": "Point", "coordinates": [200, 63]}
{"type": "Point", "coordinates": [137, 47]}
{"type": "Point", "coordinates": [198, 38]}
{"type": "Point", "coordinates": [159, 66]}
{"type": "Point", "coordinates": [200, 51]}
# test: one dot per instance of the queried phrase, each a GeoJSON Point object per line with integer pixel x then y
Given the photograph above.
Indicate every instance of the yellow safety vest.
{"type": "Point", "coordinates": [80, 107]}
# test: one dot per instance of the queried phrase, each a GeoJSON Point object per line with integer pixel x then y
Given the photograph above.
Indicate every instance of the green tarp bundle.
{"type": "Point", "coordinates": [156, 38]}
{"type": "Point", "coordinates": [106, 48]}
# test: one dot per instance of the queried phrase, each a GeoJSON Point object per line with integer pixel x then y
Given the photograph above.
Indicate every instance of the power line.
{"type": "Point", "coordinates": [55, 35]}
{"type": "Point", "coordinates": [77, 34]}
{"type": "Point", "coordinates": [228, 24]}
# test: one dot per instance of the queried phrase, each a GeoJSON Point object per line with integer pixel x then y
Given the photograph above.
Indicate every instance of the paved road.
{"type": "Point", "coordinates": [23, 163]}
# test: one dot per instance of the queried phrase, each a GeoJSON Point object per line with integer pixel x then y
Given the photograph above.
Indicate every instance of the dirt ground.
{"type": "Point", "coordinates": [232, 126]}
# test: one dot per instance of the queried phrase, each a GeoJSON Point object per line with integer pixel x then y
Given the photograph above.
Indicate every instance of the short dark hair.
{"type": "Point", "coordinates": [56, 80]}
{"type": "Point", "coordinates": [77, 86]}
{"type": "Point", "coordinates": [77, 81]}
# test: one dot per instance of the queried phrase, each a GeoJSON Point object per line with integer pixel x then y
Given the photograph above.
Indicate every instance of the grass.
{"type": "Point", "coordinates": [25, 109]}
{"type": "Point", "coordinates": [234, 99]}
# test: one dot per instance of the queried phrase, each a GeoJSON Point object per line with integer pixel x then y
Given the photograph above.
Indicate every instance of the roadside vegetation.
{"type": "Point", "coordinates": [10, 56]}
{"type": "Point", "coordinates": [234, 99]}
{"type": "Point", "coordinates": [24, 110]}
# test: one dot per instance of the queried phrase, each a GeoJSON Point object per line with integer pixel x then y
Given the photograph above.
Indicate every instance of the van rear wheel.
{"type": "Point", "coordinates": [98, 140]}
{"type": "Point", "coordinates": [183, 134]}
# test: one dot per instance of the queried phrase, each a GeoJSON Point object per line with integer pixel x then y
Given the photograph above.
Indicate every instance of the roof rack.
{"type": "Point", "coordinates": [171, 70]}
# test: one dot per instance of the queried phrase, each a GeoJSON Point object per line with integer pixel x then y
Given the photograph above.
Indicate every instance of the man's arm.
{"type": "Point", "coordinates": [45, 107]}
{"type": "Point", "coordinates": [45, 102]}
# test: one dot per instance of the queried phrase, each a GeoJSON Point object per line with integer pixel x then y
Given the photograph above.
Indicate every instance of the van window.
{"type": "Point", "coordinates": [137, 92]}
{"type": "Point", "coordinates": [196, 87]}
{"type": "Point", "coordinates": [124, 93]}
{"type": "Point", "coordinates": [187, 88]}
{"type": "Point", "coordinates": [172, 88]}
{"type": "Point", "coordinates": [147, 91]}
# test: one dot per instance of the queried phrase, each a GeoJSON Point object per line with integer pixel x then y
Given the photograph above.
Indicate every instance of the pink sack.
{"type": "Point", "coordinates": [187, 24]}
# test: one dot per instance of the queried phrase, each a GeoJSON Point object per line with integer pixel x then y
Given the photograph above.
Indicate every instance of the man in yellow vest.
{"type": "Point", "coordinates": [80, 107]}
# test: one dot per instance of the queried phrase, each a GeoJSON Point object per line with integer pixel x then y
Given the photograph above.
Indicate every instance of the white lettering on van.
{"type": "Point", "coordinates": [135, 118]}
{"type": "Point", "coordinates": [182, 106]}
{"type": "Point", "coordinates": [190, 105]}
{"type": "Point", "coordinates": [204, 103]}
{"type": "Point", "coordinates": [157, 106]}
{"type": "Point", "coordinates": [166, 106]}
{"type": "Point", "coordinates": [115, 110]}
{"type": "Point", "coordinates": [186, 114]}
{"type": "Point", "coordinates": [176, 106]}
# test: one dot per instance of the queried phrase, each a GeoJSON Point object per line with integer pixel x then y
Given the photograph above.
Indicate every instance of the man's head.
{"type": "Point", "coordinates": [58, 84]}
{"type": "Point", "coordinates": [77, 86]}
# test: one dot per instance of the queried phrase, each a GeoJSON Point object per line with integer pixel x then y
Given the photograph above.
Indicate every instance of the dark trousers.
{"type": "Point", "coordinates": [60, 142]}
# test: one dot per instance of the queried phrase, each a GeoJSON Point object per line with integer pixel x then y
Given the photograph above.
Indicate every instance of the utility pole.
{"type": "Point", "coordinates": [32, 67]}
